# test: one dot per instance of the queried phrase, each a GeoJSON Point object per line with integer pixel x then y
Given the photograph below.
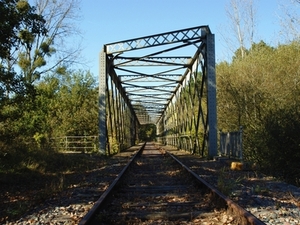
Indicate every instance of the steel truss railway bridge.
{"type": "Point", "coordinates": [166, 79]}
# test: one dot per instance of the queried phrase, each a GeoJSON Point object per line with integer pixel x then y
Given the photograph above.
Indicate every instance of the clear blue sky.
{"type": "Point", "coordinates": [106, 21]}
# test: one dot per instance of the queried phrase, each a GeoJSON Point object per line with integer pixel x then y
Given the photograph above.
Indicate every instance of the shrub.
{"type": "Point", "coordinates": [280, 153]}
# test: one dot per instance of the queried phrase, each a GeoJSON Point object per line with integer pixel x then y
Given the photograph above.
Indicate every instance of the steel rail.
{"type": "Point", "coordinates": [244, 216]}
{"type": "Point", "coordinates": [235, 208]}
{"type": "Point", "coordinates": [90, 215]}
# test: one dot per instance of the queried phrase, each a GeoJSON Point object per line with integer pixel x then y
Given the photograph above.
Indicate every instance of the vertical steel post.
{"type": "Point", "coordinates": [102, 103]}
{"type": "Point", "coordinates": [241, 143]}
{"type": "Point", "coordinates": [211, 95]}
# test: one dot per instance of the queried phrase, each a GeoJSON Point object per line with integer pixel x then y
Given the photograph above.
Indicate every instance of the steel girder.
{"type": "Point", "coordinates": [167, 79]}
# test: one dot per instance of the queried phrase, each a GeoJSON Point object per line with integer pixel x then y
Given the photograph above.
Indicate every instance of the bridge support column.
{"type": "Point", "coordinates": [102, 103]}
{"type": "Point", "coordinates": [212, 96]}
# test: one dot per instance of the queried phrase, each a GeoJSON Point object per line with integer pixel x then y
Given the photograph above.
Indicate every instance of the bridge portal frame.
{"type": "Point", "coordinates": [113, 95]}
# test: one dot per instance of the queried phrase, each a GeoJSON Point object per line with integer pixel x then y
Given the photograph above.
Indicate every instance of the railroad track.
{"type": "Point", "coordinates": [156, 188]}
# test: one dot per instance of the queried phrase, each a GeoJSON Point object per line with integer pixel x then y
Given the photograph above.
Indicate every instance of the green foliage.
{"type": "Point", "coordinates": [114, 146]}
{"type": "Point", "coordinates": [26, 36]}
{"type": "Point", "coordinates": [23, 6]}
{"type": "Point", "coordinates": [19, 23]}
{"type": "Point", "coordinates": [258, 92]}
{"type": "Point", "coordinates": [225, 183]}
{"type": "Point", "coordinates": [46, 48]}
{"type": "Point", "coordinates": [24, 63]}
{"type": "Point", "coordinates": [57, 107]}
{"type": "Point", "coordinates": [147, 132]}
{"type": "Point", "coordinates": [281, 135]}
{"type": "Point", "coordinates": [75, 108]}
{"type": "Point", "coordinates": [20, 26]}
{"type": "Point", "coordinates": [40, 139]}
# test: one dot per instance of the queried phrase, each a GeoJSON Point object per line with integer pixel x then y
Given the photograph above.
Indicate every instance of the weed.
{"type": "Point", "coordinates": [259, 190]}
{"type": "Point", "coordinates": [225, 183]}
{"type": "Point", "coordinates": [17, 209]}
{"type": "Point", "coordinates": [39, 175]}
{"type": "Point", "coordinates": [57, 184]}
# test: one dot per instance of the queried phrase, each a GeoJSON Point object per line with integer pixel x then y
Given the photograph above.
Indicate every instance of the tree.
{"type": "Point", "coordinates": [281, 136]}
{"type": "Point", "coordinates": [19, 25]}
{"type": "Point", "coordinates": [31, 46]}
{"type": "Point", "coordinates": [261, 93]}
{"type": "Point", "coordinates": [245, 85]}
{"type": "Point", "coordinates": [147, 132]}
{"type": "Point", "coordinates": [37, 52]}
{"type": "Point", "coordinates": [74, 111]}
{"type": "Point", "coordinates": [15, 17]}
{"type": "Point", "coordinates": [290, 20]}
{"type": "Point", "coordinates": [242, 15]}
{"type": "Point", "coordinates": [50, 52]}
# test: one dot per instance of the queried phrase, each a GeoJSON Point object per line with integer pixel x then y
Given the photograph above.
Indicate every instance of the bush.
{"type": "Point", "coordinates": [280, 153]}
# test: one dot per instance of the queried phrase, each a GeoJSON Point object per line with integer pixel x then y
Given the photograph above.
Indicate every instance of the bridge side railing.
{"type": "Point", "coordinates": [231, 144]}
{"type": "Point", "coordinates": [76, 143]}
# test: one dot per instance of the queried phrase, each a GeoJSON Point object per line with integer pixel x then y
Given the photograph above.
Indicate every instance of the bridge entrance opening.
{"type": "Point", "coordinates": [166, 79]}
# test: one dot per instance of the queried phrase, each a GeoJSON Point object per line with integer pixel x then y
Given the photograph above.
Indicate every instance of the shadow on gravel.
{"type": "Point", "coordinates": [49, 181]}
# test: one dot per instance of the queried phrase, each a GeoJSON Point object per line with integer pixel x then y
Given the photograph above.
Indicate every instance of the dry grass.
{"type": "Point", "coordinates": [27, 179]}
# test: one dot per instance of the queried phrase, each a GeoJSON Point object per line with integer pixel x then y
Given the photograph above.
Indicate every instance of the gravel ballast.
{"type": "Point", "coordinates": [272, 201]}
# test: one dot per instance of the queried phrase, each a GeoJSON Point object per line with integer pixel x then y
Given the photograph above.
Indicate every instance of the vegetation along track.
{"type": "Point", "coordinates": [156, 188]}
